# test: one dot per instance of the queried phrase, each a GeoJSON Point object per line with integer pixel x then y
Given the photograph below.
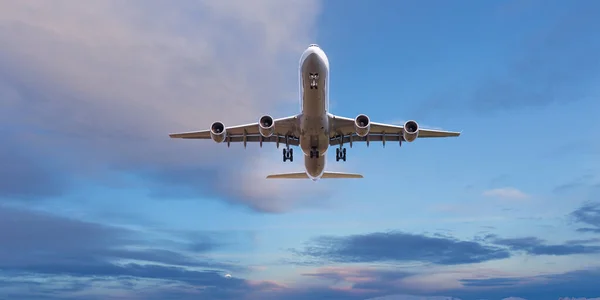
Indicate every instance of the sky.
{"type": "Point", "coordinates": [96, 202]}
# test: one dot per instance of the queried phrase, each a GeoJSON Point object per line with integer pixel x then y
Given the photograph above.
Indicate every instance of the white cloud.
{"type": "Point", "coordinates": [506, 193]}
{"type": "Point", "coordinates": [109, 79]}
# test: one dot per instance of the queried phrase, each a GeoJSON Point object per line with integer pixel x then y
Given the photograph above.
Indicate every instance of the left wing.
{"type": "Point", "coordinates": [284, 129]}
{"type": "Point", "coordinates": [343, 131]}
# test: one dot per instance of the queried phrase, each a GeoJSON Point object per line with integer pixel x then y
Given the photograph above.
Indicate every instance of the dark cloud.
{"type": "Point", "coordinates": [399, 246]}
{"type": "Point", "coordinates": [46, 246]}
{"type": "Point", "coordinates": [589, 215]}
{"type": "Point", "coordinates": [576, 284]}
{"type": "Point", "coordinates": [536, 246]}
{"type": "Point", "coordinates": [491, 282]}
{"type": "Point", "coordinates": [34, 239]}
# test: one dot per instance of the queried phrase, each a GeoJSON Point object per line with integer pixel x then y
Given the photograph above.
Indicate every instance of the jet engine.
{"type": "Point", "coordinates": [362, 125]}
{"type": "Point", "coordinates": [218, 132]}
{"type": "Point", "coordinates": [411, 131]}
{"type": "Point", "coordinates": [266, 126]}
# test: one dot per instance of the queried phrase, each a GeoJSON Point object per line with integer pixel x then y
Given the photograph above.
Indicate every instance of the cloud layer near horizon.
{"type": "Point", "coordinates": [81, 257]}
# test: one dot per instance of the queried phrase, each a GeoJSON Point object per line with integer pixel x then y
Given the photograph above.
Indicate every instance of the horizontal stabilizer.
{"type": "Point", "coordinates": [303, 175]}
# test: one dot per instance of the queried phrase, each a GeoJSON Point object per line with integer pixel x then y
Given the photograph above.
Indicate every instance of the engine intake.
{"type": "Point", "coordinates": [411, 131]}
{"type": "Point", "coordinates": [362, 125]}
{"type": "Point", "coordinates": [218, 132]}
{"type": "Point", "coordinates": [266, 126]}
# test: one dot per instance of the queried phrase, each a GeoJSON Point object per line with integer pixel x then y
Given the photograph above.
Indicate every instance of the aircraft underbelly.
{"type": "Point", "coordinates": [314, 166]}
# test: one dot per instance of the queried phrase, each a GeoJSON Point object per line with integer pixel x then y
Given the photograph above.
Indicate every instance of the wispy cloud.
{"type": "Point", "coordinates": [589, 215]}
{"type": "Point", "coordinates": [506, 193]}
{"type": "Point", "coordinates": [400, 246]}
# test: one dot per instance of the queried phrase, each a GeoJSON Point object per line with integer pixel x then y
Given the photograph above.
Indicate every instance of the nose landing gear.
{"type": "Point", "coordinates": [314, 153]}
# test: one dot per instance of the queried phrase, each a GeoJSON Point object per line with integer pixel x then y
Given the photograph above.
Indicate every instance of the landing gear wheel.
{"type": "Point", "coordinates": [288, 154]}
{"type": "Point", "coordinates": [340, 154]}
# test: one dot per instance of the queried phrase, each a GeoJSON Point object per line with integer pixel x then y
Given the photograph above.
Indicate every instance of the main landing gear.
{"type": "Point", "coordinates": [340, 153]}
{"type": "Point", "coordinates": [288, 153]}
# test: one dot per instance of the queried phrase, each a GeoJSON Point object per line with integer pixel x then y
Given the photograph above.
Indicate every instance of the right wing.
{"type": "Point", "coordinates": [344, 132]}
{"type": "Point", "coordinates": [285, 128]}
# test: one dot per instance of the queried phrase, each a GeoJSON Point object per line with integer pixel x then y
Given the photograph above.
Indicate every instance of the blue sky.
{"type": "Point", "coordinates": [96, 202]}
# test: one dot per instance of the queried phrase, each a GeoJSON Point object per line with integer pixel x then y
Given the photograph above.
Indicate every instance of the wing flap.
{"type": "Point", "coordinates": [293, 141]}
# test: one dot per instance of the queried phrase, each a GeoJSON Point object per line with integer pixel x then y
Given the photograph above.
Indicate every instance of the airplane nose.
{"type": "Point", "coordinates": [313, 60]}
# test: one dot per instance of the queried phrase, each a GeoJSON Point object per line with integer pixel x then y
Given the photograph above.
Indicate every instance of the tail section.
{"type": "Point", "coordinates": [303, 175]}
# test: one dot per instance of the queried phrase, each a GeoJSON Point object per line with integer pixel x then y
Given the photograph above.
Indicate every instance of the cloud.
{"type": "Point", "coordinates": [537, 246]}
{"type": "Point", "coordinates": [72, 241]}
{"type": "Point", "coordinates": [46, 246]}
{"type": "Point", "coordinates": [24, 175]}
{"type": "Point", "coordinates": [490, 282]}
{"type": "Point", "coordinates": [580, 283]}
{"type": "Point", "coordinates": [400, 246]}
{"type": "Point", "coordinates": [506, 193]}
{"type": "Point", "coordinates": [91, 90]}
{"type": "Point", "coordinates": [584, 181]}
{"type": "Point", "coordinates": [358, 275]}
{"type": "Point", "coordinates": [588, 214]}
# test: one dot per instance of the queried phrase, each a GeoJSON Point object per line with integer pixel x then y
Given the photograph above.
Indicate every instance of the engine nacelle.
{"type": "Point", "coordinates": [266, 126]}
{"type": "Point", "coordinates": [362, 125]}
{"type": "Point", "coordinates": [411, 131]}
{"type": "Point", "coordinates": [218, 132]}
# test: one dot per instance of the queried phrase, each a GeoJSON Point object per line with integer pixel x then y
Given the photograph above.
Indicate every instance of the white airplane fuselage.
{"type": "Point", "coordinates": [314, 118]}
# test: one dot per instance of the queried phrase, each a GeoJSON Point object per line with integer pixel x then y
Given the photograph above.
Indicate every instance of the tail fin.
{"type": "Point", "coordinates": [303, 175]}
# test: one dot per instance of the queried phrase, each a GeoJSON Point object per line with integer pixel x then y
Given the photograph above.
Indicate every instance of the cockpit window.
{"type": "Point", "coordinates": [314, 45]}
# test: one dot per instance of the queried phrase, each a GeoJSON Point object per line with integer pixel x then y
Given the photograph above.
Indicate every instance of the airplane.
{"type": "Point", "coordinates": [314, 129]}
